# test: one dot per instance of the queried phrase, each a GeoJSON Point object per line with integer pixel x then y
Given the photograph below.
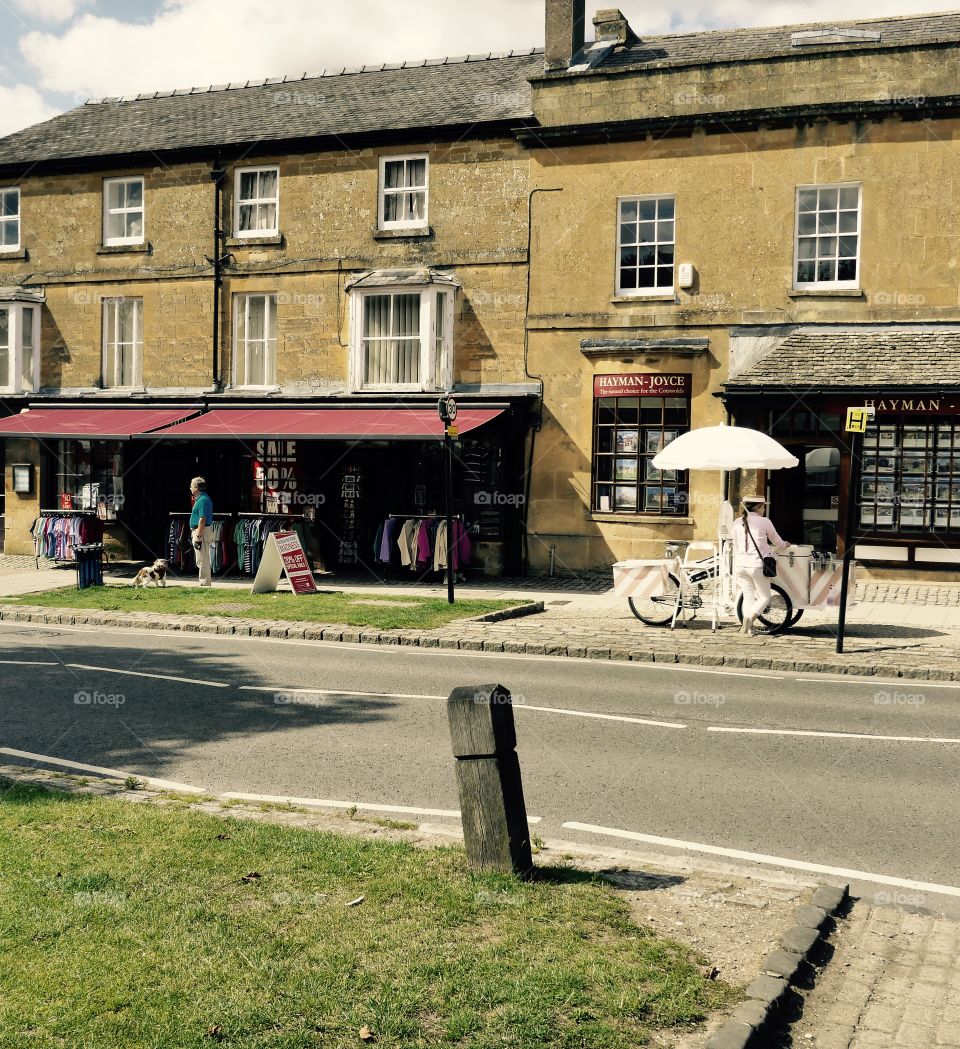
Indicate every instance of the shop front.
{"type": "Point", "coordinates": [335, 473]}
{"type": "Point", "coordinates": [907, 515]}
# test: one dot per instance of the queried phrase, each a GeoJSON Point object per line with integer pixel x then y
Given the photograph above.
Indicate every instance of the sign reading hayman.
{"type": "Point", "coordinates": [646, 384]}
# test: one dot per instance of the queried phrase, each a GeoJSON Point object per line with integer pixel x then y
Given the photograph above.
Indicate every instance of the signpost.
{"type": "Point", "coordinates": [856, 426]}
{"type": "Point", "coordinates": [284, 555]}
{"type": "Point", "coordinates": [447, 410]}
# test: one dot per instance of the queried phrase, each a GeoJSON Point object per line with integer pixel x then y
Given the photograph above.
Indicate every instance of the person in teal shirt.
{"type": "Point", "coordinates": [200, 521]}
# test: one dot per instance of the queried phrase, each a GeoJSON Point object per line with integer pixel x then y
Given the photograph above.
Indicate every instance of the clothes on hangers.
{"type": "Point", "coordinates": [419, 543]}
{"type": "Point", "coordinates": [56, 535]}
{"type": "Point", "coordinates": [250, 537]}
{"type": "Point", "coordinates": [178, 545]}
{"type": "Point", "coordinates": [460, 548]}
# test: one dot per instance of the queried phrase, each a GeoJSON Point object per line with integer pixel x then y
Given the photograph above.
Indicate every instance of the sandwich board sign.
{"type": "Point", "coordinates": [284, 555]}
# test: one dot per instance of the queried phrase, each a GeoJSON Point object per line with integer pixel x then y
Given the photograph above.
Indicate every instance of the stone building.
{"type": "Point", "coordinates": [594, 247]}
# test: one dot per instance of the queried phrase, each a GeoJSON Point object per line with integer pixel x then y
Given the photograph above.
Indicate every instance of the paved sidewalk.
{"type": "Point", "coordinates": [893, 981]}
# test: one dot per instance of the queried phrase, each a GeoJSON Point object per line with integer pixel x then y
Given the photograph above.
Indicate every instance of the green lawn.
{"type": "Point", "coordinates": [139, 926]}
{"type": "Point", "coordinates": [386, 611]}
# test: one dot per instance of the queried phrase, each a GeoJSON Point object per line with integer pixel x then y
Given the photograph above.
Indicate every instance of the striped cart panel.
{"type": "Point", "coordinates": [641, 578]}
{"type": "Point", "coordinates": [795, 579]}
{"type": "Point", "coordinates": [825, 584]}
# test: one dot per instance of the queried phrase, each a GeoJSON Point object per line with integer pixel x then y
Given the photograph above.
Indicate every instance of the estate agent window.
{"type": "Point", "coordinates": [828, 237]}
{"type": "Point", "coordinates": [911, 477]}
{"type": "Point", "coordinates": [635, 417]}
{"type": "Point", "coordinates": [10, 219]}
{"type": "Point", "coordinates": [403, 192]}
{"type": "Point", "coordinates": [257, 202]}
{"type": "Point", "coordinates": [19, 340]}
{"type": "Point", "coordinates": [255, 341]}
{"type": "Point", "coordinates": [122, 342]}
{"type": "Point", "coordinates": [123, 211]}
{"type": "Point", "coordinates": [646, 242]}
{"type": "Point", "coordinates": [402, 339]}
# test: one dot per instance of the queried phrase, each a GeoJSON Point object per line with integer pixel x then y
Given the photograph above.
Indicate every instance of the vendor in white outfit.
{"type": "Point", "coordinates": [748, 554]}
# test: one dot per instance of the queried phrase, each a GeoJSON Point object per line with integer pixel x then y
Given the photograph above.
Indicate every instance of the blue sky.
{"type": "Point", "coordinates": [55, 53]}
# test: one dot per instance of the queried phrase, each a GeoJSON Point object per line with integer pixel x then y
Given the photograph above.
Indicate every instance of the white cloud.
{"type": "Point", "coordinates": [48, 10]}
{"type": "Point", "coordinates": [193, 42]}
{"type": "Point", "coordinates": [21, 106]}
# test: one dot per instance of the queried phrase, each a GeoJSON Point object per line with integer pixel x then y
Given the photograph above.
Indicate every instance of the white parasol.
{"type": "Point", "coordinates": [724, 448]}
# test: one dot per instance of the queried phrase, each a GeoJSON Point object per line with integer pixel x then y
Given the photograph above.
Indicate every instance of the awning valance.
{"type": "Point", "coordinates": [344, 424]}
{"type": "Point", "coordinates": [90, 423]}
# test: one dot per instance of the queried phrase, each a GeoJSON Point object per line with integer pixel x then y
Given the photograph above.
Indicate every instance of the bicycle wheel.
{"type": "Point", "coordinates": [776, 617]}
{"type": "Point", "coordinates": [656, 611]}
{"type": "Point", "coordinates": [796, 617]}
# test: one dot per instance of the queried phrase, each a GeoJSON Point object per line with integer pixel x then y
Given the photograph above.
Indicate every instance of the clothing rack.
{"type": "Point", "coordinates": [68, 513]}
{"type": "Point", "coordinates": [187, 513]}
{"type": "Point", "coordinates": [281, 517]}
{"type": "Point", "coordinates": [50, 512]}
{"type": "Point", "coordinates": [424, 517]}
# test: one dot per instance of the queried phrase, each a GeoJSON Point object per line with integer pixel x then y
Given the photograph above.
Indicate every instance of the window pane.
{"type": "Point", "coordinates": [256, 317]}
{"type": "Point", "coordinates": [645, 255]}
{"type": "Point", "coordinates": [628, 279]}
{"type": "Point", "coordinates": [647, 209]}
{"type": "Point", "coordinates": [115, 195]}
{"type": "Point", "coordinates": [847, 247]}
{"type": "Point", "coordinates": [10, 202]}
{"type": "Point", "coordinates": [628, 233]}
{"type": "Point", "coordinates": [850, 197]}
{"type": "Point", "coordinates": [807, 248]}
{"type": "Point", "coordinates": [806, 271]}
{"type": "Point", "coordinates": [391, 207]}
{"type": "Point", "coordinates": [648, 232]}
{"type": "Point", "coordinates": [807, 200]}
{"type": "Point", "coordinates": [4, 347]}
{"type": "Point", "coordinates": [646, 277]}
{"type": "Point", "coordinates": [848, 222]}
{"type": "Point", "coordinates": [393, 174]}
{"type": "Point", "coordinates": [827, 247]}
{"type": "Point", "coordinates": [628, 210]}
{"type": "Point", "coordinates": [416, 206]}
{"type": "Point", "coordinates": [248, 185]}
{"type": "Point", "coordinates": [665, 231]}
{"type": "Point", "coordinates": [134, 224]}
{"type": "Point", "coordinates": [664, 276]}
{"type": "Point", "coordinates": [268, 184]}
{"type": "Point", "coordinates": [26, 343]}
{"type": "Point", "coordinates": [134, 193]}
{"type": "Point", "coordinates": [806, 223]}
{"type": "Point", "coordinates": [826, 270]}
{"type": "Point", "coordinates": [9, 232]}
{"type": "Point", "coordinates": [417, 173]}
{"type": "Point", "coordinates": [665, 207]}
{"type": "Point", "coordinates": [247, 215]}
{"type": "Point", "coordinates": [828, 199]}
{"type": "Point", "coordinates": [116, 226]}
{"type": "Point", "coordinates": [828, 222]}
{"type": "Point", "coordinates": [847, 269]}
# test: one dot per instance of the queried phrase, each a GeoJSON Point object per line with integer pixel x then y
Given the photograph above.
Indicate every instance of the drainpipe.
{"type": "Point", "coordinates": [218, 176]}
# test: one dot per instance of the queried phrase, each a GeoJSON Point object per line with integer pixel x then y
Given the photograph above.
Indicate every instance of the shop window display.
{"type": "Point", "coordinates": [628, 433]}
{"type": "Point", "coordinates": [89, 476]}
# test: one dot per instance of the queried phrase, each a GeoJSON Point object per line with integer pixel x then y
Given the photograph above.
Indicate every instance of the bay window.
{"type": "Point", "coordinates": [19, 345]}
{"type": "Point", "coordinates": [402, 338]}
{"type": "Point", "coordinates": [123, 211]}
{"type": "Point", "coordinates": [255, 340]}
{"type": "Point", "coordinates": [122, 342]}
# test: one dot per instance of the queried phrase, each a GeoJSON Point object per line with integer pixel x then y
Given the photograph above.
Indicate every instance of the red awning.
{"type": "Point", "coordinates": [346, 424]}
{"type": "Point", "coordinates": [82, 423]}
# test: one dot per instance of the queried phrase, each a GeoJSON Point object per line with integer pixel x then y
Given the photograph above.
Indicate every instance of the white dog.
{"type": "Point", "coordinates": [156, 574]}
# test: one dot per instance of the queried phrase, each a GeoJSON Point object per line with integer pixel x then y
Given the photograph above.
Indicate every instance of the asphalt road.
{"type": "Point", "coordinates": [853, 774]}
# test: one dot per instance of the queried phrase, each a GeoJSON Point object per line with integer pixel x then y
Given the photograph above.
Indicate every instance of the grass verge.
{"type": "Point", "coordinates": [124, 924]}
{"type": "Point", "coordinates": [387, 613]}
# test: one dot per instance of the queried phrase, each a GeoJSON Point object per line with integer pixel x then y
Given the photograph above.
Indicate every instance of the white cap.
{"type": "Point", "coordinates": [753, 500]}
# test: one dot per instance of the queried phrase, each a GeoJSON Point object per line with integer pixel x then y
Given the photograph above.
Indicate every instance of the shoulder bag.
{"type": "Point", "coordinates": [769, 563]}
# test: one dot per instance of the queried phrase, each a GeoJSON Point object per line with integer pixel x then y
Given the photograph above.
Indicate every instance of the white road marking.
{"type": "Point", "coordinates": [320, 803]}
{"type": "Point", "coordinates": [159, 677]}
{"type": "Point", "coordinates": [602, 717]}
{"type": "Point", "coordinates": [856, 679]}
{"type": "Point", "coordinates": [831, 735]}
{"type": "Point", "coordinates": [27, 663]}
{"type": "Point", "coordinates": [79, 766]}
{"type": "Point", "coordinates": [773, 861]}
{"type": "Point", "coordinates": [408, 695]}
{"type": "Point", "coordinates": [336, 692]}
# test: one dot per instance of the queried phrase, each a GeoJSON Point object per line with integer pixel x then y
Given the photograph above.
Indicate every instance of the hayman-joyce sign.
{"type": "Point", "coordinates": [646, 384]}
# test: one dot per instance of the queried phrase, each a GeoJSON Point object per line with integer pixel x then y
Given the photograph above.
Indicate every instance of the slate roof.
{"type": "Point", "coordinates": [455, 92]}
{"type": "Point", "coordinates": [854, 357]}
{"type": "Point", "coordinates": [739, 45]}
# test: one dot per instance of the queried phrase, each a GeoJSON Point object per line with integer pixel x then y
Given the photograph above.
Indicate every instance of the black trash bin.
{"type": "Point", "coordinates": [89, 559]}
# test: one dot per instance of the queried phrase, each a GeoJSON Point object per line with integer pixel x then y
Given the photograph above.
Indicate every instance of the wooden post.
{"type": "Point", "coordinates": [488, 778]}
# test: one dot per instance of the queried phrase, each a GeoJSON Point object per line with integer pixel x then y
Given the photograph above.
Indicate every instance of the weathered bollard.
{"type": "Point", "coordinates": [488, 777]}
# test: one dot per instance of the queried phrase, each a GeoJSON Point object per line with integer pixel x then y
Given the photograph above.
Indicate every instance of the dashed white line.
{"type": "Point", "coordinates": [79, 766]}
{"type": "Point", "coordinates": [27, 663]}
{"type": "Point", "coordinates": [830, 735]}
{"type": "Point", "coordinates": [158, 677]}
{"type": "Point", "coordinates": [322, 803]}
{"type": "Point", "coordinates": [773, 861]}
{"type": "Point", "coordinates": [335, 692]}
{"type": "Point", "coordinates": [601, 717]}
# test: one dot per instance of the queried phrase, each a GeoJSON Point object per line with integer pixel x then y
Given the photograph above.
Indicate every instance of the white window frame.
{"type": "Point", "coordinates": [18, 217]}
{"type": "Point", "coordinates": [12, 381]}
{"type": "Point", "coordinates": [115, 303]}
{"type": "Point", "coordinates": [656, 292]}
{"type": "Point", "coordinates": [241, 301]}
{"type": "Point", "coordinates": [436, 307]}
{"type": "Point", "coordinates": [383, 192]}
{"type": "Point", "coordinates": [113, 242]}
{"type": "Point", "coordinates": [249, 234]}
{"type": "Point", "coordinates": [821, 285]}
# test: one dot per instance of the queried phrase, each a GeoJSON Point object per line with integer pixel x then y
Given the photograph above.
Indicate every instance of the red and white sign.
{"type": "Point", "coordinates": [284, 555]}
{"type": "Point", "coordinates": [641, 384]}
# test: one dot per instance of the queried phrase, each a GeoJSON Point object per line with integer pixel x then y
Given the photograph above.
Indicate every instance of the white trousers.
{"type": "Point", "coordinates": [203, 558]}
{"type": "Point", "coordinates": [755, 587]}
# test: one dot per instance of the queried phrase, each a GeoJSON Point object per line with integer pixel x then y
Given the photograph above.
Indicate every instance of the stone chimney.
{"type": "Point", "coordinates": [565, 31]}
{"type": "Point", "coordinates": [611, 26]}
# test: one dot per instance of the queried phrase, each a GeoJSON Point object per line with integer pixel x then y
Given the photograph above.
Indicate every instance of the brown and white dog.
{"type": "Point", "coordinates": [156, 574]}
